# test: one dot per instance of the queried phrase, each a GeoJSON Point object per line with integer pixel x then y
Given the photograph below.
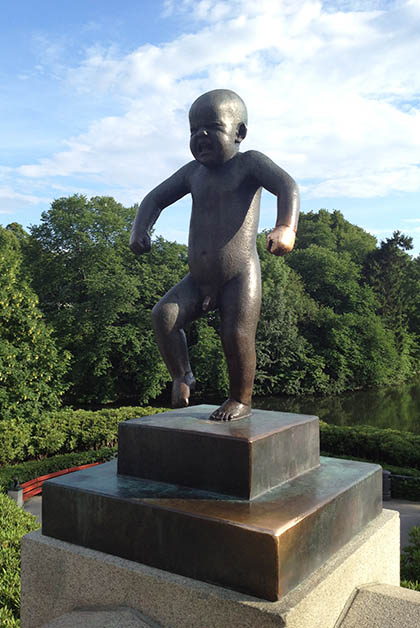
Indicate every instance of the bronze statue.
{"type": "Point", "coordinates": [225, 186]}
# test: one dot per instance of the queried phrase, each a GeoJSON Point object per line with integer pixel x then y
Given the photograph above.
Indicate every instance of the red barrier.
{"type": "Point", "coordinates": [34, 487]}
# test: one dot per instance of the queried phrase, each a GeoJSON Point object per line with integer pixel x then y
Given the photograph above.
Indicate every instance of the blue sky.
{"type": "Point", "coordinates": [94, 97]}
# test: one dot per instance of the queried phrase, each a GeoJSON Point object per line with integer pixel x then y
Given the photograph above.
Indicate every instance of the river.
{"type": "Point", "coordinates": [397, 407]}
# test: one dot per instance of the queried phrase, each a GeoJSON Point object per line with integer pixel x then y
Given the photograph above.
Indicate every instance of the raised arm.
{"type": "Point", "coordinates": [165, 194]}
{"type": "Point", "coordinates": [269, 175]}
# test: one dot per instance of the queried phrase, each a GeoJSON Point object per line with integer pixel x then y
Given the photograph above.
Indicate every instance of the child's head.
{"type": "Point", "coordinates": [218, 121]}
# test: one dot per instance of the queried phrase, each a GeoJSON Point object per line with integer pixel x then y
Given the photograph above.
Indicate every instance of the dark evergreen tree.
{"type": "Point", "coordinates": [386, 270]}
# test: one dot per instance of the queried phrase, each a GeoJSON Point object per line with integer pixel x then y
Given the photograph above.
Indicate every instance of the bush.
{"type": "Point", "coordinates": [410, 561]}
{"type": "Point", "coordinates": [14, 523]}
{"type": "Point", "coordinates": [409, 584]}
{"type": "Point", "coordinates": [388, 446]}
{"type": "Point", "coordinates": [395, 471]}
{"type": "Point", "coordinates": [64, 431]}
{"type": "Point", "coordinates": [404, 487]}
{"type": "Point", "coordinates": [35, 468]}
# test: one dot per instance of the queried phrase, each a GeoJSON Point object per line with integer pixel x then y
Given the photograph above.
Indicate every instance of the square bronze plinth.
{"type": "Point", "coordinates": [244, 458]}
{"type": "Point", "coordinates": [263, 547]}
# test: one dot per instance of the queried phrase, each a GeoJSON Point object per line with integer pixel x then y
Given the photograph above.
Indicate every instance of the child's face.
{"type": "Point", "coordinates": [214, 133]}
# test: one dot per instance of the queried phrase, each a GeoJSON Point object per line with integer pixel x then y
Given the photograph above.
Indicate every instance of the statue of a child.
{"type": "Point", "coordinates": [225, 186]}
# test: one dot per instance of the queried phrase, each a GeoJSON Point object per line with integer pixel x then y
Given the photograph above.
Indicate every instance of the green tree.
{"type": "Point", "coordinates": [328, 322]}
{"type": "Point", "coordinates": [386, 270]}
{"type": "Point", "coordinates": [31, 367]}
{"type": "Point", "coordinates": [357, 346]}
{"type": "Point", "coordinates": [330, 230]}
{"type": "Point", "coordinates": [357, 349]}
{"type": "Point", "coordinates": [390, 271]}
{"type": "Point", "coordinates": [98, 296]}
{"type": "Point", "coordinates": [412, 304]}
{"type": "Point", "coordinates": [207, 357]}
{"type": "Point", "coordinates": [286, 362]}
{"type": "Point", "coordinates": [331, 278]}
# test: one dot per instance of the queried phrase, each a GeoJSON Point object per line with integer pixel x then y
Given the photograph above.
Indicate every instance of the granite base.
{"type": "Point", "coordinates": [59, 577]}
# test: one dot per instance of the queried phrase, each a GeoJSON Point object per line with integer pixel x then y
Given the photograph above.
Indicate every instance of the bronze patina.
{"type": "Point", "coordinates": [224, 271]}
{"type": "Point", "coordinates": [242, 458]}
{"type": "Point", "coordinates": [247, 505]}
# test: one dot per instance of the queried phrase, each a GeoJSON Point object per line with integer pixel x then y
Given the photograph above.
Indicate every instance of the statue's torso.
{"type": "Point", "coordinates": [224, 222]}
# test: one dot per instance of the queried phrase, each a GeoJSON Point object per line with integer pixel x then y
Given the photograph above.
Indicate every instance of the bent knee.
{"type": "Point", "coordinates": [165, 316]}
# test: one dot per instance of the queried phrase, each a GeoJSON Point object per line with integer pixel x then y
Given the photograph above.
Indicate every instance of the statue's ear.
{"type": "Point", "coordinates": [241, 132]}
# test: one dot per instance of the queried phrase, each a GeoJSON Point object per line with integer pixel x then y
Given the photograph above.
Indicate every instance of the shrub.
{"type": "Point", "coordinates": [410, 561]}
{"type": "Point", "coordinates": [14, 523]}
{"type": "Point", "coordinates": [64, 431]}
{"type": "Point", "coordinates": [35, 468]}
{"type": "Point", "coordinates": [371, 443]}
{"type": "Point", "coordinates": [409, 584]}
{"type": "Point", "coordinates": [405, 487]}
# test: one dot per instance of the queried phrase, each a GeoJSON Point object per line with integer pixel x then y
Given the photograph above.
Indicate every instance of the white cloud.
{"type": "Point", "coordinates": [332, 91]}
{"type": "Point", "coordinates": [15, 204]}
{"type": "Point", "coordinates": [7, 193]}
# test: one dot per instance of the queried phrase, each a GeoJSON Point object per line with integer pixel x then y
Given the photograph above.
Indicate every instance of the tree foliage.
{"type": "Point", "coordinates": [98, 296]}
{"type": "Point", "coordinates": [286, 361]}
{"type": "Point", "coordinates": [330, 230]}
{"type": "Point", "coordinates": [343, 270]}
{"type": "Point", "coordinates": [339, 313]}
{"type": "Point", "coordinates": [386, 270]}
{"type": "Point", "coordinates": [31, 367]}
{"type": "Point", "coordinates": [14, 523]}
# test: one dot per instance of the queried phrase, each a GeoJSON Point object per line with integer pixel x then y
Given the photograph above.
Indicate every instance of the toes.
{"type": "Point", "coordinates": [230, 411]}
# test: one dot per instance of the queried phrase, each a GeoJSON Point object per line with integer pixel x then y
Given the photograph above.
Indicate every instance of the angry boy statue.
{"type": "Point", "coordinates": [224, 271]}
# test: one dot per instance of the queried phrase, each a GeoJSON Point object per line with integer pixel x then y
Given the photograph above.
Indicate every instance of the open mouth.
{"type": "Point", "coordinates": [203, 147]}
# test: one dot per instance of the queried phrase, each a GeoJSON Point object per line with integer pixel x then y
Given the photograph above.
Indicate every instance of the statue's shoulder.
{"type": "Point", "coordinates": [189, 169]}
{"type": "Point", "coordinates": [254, 156]}
{"type": "Point", "coordinates": [254, 159]}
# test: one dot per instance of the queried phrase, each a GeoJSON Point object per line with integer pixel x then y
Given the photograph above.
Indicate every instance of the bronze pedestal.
{"type": "Point", "coordinates": [245, 458]}
{"type": "Point", "coordinates": [263, 546]}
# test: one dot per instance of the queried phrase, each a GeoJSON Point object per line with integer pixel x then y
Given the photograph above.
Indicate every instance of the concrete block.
{"type": "Point", "coordinates": [105, 618]}
{"type": "Point", "coordinates": [17, 496]}
{"type": "Point", "coordinates": [58, 577]}
{"type": "Point", "coordinates": [382, 606]}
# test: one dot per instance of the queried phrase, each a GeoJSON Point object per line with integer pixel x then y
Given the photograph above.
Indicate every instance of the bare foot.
{"type": "Point", "coordinates": [231, 410]}
{"type": "Point", "coordinates": [181, 389]}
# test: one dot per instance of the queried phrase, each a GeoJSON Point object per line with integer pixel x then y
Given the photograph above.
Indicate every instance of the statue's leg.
{"type": "Point", "coordinates": [240, 303]}
{"type": "Point", "coordinates": [179, 306]}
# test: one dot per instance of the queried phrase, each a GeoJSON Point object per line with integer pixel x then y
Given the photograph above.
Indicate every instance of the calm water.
{"type": "Point", "coordinates": [396, 407]}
